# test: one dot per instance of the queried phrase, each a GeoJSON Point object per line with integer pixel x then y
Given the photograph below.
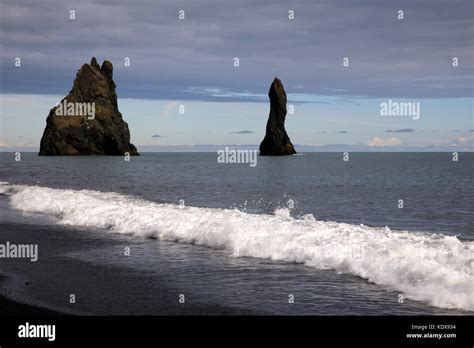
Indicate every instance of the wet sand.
{"type": "Point", "coordinates": [45, 286]}
{"type": "Point", "coordinates": [9, 307]}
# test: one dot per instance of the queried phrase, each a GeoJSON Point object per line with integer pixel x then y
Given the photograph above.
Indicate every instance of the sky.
{"type": "Point", "coordinates": [190, 62]}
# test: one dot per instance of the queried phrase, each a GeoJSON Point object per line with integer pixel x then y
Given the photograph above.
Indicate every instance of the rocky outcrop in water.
{"type": "Point", "coordinates": [87, 121]}
{"type": "Point", "coordinates": [276, 141]}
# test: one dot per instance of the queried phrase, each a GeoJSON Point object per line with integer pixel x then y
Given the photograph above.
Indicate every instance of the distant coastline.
{"type": "Point", "coordinates": [299, 148]}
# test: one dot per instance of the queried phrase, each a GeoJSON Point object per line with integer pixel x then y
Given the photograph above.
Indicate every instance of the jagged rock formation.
{"type": "Point", "coordinates": [276, 141]}
{"type": "Point", "coordinates": [87, 121]}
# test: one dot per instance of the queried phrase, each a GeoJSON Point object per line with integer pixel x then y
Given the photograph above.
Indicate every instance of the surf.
{"type": "Point", "coordinates": [434, 268]}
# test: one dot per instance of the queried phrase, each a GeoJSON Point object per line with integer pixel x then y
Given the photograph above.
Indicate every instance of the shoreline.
{"type": "Point", "coordinates": [150, 280]}
{"type": "Point", "coordinates": [12, 308]}
{"type": "Point", "coordinates": [109, 288]}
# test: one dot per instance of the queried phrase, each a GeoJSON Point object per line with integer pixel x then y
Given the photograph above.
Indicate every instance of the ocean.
{"type": "Point", "coordinates": [310, 234]}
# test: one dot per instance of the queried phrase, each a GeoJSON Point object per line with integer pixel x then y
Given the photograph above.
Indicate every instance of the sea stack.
{"type": "Point", "coordinates": [276, 141]}
{"type": "Point", "coordinates": [87, 121]}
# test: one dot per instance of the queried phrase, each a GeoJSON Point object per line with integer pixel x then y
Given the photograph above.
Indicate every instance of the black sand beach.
{"type": "Point", "coordinates": [9, 307]}
{"type": "Point", "coordinates": [44, 287]}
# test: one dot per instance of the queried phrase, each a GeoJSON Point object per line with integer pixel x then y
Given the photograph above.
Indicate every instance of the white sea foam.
{"type": "Point", "coordinates": [434, 268]}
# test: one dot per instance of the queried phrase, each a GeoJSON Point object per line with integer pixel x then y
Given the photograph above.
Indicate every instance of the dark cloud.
{"type": "Point", "coordinates": [402, 130]}
{"type": "Point", "coordinates": [158, 136]}
{"type": "Point", "coordinates": [168, 56]}
{"type": "Point", "coordinates": [342, 132]}
{"type": "Point", "coordinates": [243, 132]}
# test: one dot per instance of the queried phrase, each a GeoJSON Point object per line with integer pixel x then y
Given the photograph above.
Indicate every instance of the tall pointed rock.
{"type": "Point", "coordinates": [276, 141]}
{"type": "Point", "coordinates": [87, 121]}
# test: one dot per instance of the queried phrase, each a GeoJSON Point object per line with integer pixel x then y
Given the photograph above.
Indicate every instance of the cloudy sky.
{"type": "Point", "coordinates": [190, 62]}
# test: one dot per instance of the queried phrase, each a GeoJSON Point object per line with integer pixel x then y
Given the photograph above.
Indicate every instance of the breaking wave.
{"type": "Point", "coordinates": [434, 268]}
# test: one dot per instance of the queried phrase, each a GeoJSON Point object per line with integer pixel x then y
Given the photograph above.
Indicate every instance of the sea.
{"type": "Point", "coordinates": [309, 234]}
